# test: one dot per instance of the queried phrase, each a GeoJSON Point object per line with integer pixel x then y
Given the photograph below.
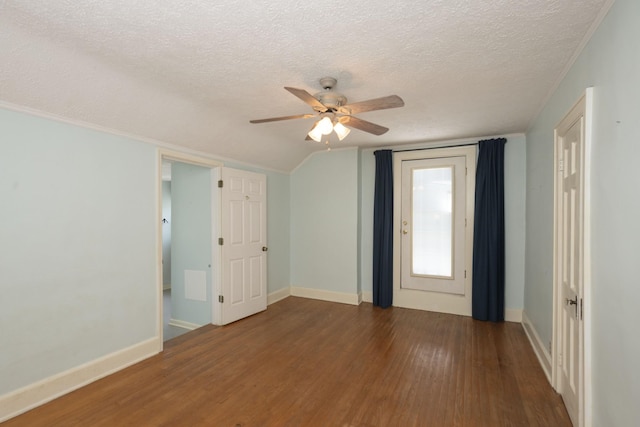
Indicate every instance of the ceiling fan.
{"type": "Point", "coordinates": [335, 114]}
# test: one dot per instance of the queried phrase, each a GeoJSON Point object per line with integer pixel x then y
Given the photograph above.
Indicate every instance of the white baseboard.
{"type": "Point", "coordinates": [184, 325]}
{"type": "Point", "coordinates": [538, 346]}
{"type": "Point", "coordinates": [513, 315]}
{"type": "Point", "coordinates": [278, 295]}
{"type": "Point", "coordinates": [323, 295]}
{"type": "Point", "coordinates": [367, 296]}
{"type": "Point", "coordinates": [19, 401]}
{"type": "Point", "coordinates": [510, 314]}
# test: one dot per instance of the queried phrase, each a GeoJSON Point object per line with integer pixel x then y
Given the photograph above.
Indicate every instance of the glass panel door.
{"type": "Point", "coordinates": [432, 213]}
{"type": "Point", "coordinates": [433, 224]}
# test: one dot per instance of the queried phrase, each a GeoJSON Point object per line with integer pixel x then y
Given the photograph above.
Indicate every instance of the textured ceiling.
{"type": "Point", "coordinates": [194, 72]}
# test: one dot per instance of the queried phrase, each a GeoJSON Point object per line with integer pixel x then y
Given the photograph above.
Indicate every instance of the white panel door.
{"type": "Point", "coordinates": [433, 229]}
{"type": "Point", "coordinates": [244, 245]}
{"type": "Point", "coordinates": [569, 265]}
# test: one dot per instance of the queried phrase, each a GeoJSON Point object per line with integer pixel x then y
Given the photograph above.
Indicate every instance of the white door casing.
{"type": "Point", "coordinates": [244, 244]}
{"type": "Point", "coordinates": [571, 259]}
{"type": "Point", "coordinates": [447, 292]}
{"type": "Point", "coordinates": [570, 267]}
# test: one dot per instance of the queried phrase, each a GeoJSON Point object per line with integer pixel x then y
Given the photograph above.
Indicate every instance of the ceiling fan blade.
{"type": "Point", "coordinates": [363, 125]}
{"type": "Point", "coordinates": [391, 101]}
{"type": "Point", "coordinates": [308, 98]}
{"type": "Point", "coordinates": [275, 119]}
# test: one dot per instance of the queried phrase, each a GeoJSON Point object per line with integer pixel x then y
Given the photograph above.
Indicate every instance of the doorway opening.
{"type": "Point", "coordinates": [188, 256]}
{"type": "Point", "coordinates": [170, 329]}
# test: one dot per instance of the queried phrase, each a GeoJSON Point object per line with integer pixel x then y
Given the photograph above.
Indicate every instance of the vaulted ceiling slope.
{"type": "Point", "coordinates": [194, 72]}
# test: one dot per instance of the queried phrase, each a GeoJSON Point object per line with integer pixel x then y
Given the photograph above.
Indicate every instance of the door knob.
{"type": "Point", "coordinates": [404, 231]}
{"type": "Point", "coordinates": [265, 249]}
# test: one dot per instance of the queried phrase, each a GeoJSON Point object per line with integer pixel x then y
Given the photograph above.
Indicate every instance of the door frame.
{"type": "Point", "coordinates": [214, 165]}
{"type": "Point", "coordinates": [582, 108]}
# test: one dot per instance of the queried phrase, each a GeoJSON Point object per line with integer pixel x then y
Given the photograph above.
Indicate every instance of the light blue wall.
{"type": "Point", "coordinates": [514, 219]}
{"type": "Point", "coordinates": [324, 222]}
{"type": "Point", "coordinates": [611, 64]}
{"type": "Point", "coordinates": [77, 246]}
{"type": "Point", "coordinates": [191, 240]}
{"type": "Point", "coordinates": [367, 187]}
{"type": "Point", "coordinates": [78, 237]}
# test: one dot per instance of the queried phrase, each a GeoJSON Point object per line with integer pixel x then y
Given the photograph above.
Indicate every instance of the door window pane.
{"type": "Point", "coordinates": [432, 210]}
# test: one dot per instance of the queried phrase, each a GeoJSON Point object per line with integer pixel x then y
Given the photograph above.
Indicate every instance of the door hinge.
{"type": "Point", "coordinates": [220, 298]}
{"type": "Point", "coordinates": [220, 241]}
{"type": "Point", "coordinates": [465, 274]}
{"type": "Point", "coordinates": [220, 183]}
{"type": "Point", "coordinates": [561, 165]}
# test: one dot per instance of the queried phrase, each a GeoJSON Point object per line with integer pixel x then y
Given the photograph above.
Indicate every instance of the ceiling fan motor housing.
{"type": "Point", "coordinates": [328, 83]}
{"type": "Point", "coordinates": [329, 98]}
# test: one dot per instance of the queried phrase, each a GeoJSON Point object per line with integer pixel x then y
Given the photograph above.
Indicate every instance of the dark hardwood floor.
{"type": "Point", "coordinates": [312, 363]}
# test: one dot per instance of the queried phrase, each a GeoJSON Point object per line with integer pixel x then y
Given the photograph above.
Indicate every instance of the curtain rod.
{"type": "Point", "coordinates": [434, 148]}
{"type": "Point", "coordinates": [446, 146]}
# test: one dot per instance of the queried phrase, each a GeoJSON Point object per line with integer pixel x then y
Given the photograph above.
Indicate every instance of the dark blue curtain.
{"type": "Point", "coordinates": [383, 230]}
{"type": "Point", "coordinates": [488, 235]}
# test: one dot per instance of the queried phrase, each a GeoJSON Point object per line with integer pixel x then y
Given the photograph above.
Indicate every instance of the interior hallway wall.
{"type": "Point", "coordinates": [77, 246]}
{"type": "Point", "coordinates": [192, 266]}
{"type": "Point", "coordinates": [324, 223]}
{"type": "Point", "coordinates": [610, 63]}
{"type": "Point", "coordinates": [78, 236]}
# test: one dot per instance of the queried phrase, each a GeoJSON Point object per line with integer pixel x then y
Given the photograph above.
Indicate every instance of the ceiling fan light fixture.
{"type": "Point", "coordinates": [315, 133]}
{"type": "Point", "coordinates": [325, 126]}
{"type": "Point", "coordinates": [341, 130]}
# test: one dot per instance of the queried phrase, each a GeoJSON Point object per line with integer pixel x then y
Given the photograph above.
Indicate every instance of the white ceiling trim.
{"type": "Point", "coordinates": [137, 138]}
{"type": "Point", "coordinates": [583, 43]}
